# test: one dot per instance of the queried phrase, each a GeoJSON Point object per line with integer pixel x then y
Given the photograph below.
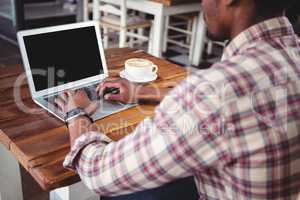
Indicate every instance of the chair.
{"type": "Point", "coordinates": [186, 28]}
{"type": "Point", "coordinates": [211, 43]}
{"type": "Point", "coordinates": [115, 17]}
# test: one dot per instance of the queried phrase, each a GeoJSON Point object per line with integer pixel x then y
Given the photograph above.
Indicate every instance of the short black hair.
{"type": "Point", "coordinates": [273, 6]}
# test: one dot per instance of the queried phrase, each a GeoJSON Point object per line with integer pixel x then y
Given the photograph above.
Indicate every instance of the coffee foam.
{"type": "Point", "coordinates": [138, 62]}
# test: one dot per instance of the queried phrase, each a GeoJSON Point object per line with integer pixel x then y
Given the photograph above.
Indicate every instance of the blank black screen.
{"type": "Point", "coordinates": [64, 56]}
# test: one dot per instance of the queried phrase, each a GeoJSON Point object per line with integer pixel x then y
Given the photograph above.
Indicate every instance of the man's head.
{"type": "Point", "coordinates": [226, 18]}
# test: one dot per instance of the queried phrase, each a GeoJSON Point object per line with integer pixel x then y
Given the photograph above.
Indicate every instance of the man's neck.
{"type": "Point", "coordinates": [246, 21]}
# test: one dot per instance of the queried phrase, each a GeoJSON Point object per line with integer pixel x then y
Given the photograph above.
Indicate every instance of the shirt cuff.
{"type": "Point", "coordinates": [80, 143]}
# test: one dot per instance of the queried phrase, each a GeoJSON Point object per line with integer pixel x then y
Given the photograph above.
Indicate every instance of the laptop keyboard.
{"type": "Point", "coordinates": [106, 107]}
{"type": "Point", "coordinates": [90, 91]}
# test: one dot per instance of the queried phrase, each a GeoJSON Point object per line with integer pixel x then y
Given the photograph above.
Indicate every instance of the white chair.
{"type": "Point", "coordinates": [187, 27]}
{"type": "Point", "coordinates": [115, 17]}
{"type": "Point", "coordinates": [211, 43]}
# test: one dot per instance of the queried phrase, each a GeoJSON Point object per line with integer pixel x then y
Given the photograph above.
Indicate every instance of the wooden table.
{"type": "Point", "coordinates": [160, 9]}
{"type": "Point", "coordinates": [40, 142]}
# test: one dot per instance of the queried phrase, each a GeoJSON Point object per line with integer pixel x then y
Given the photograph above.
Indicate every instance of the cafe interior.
{"type": "Point", "coordinates": [169, 35]}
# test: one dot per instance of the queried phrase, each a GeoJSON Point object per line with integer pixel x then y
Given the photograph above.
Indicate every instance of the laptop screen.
{"type": "Point", "coordinates": [61, 57]}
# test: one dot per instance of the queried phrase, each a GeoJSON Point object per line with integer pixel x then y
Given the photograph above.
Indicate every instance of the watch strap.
{"type": "Point", "coordinates": [77, 112]}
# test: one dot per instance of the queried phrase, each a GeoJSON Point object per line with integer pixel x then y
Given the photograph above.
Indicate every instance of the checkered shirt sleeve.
{"type": "Point", "coordinates": [174, 144]}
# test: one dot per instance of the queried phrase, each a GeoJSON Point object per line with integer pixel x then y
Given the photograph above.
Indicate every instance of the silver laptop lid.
{"type": "Point", "coordinates": [62, 57]}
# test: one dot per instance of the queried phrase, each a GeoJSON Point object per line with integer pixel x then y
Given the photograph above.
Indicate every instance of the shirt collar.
{"type": "Point", "coordinates": [272, 28]}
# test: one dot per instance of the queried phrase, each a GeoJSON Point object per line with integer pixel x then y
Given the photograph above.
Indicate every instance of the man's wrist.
{"type": "Point", "coordinates": [77, 113]}
{"type": "Point", "coordinates": [79, 126]}
{"type": "Point", "coordinates": [149, 94]}
{"type": "Point", "coordinates": [144, 92]}
{"type": "Point", "coordinates": [82, 118]}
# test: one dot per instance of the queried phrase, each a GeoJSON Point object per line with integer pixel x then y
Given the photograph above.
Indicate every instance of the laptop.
{"type": "Point", "coordinates": [65, 57]}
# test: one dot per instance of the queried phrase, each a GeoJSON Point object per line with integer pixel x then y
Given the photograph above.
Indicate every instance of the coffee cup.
{"type": "Point", "coordinates": [139, 68]}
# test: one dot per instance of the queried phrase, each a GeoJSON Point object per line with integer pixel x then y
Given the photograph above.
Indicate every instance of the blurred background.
{"type": "Point", "coordinates": [177, 41]}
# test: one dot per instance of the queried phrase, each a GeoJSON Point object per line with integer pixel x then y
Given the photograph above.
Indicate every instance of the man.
{"type": "Point", "coordinates": [234, 127]}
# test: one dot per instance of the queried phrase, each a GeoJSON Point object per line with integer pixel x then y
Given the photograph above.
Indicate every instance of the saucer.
{"type": "Point", "coordinates": [148, 79]}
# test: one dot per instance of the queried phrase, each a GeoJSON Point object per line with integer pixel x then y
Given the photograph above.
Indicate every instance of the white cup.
{"type": "Point", "coordinates": [139, 68]}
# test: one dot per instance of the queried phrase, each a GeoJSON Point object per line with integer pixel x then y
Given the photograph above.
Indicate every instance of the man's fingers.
{"type": "Point", "coordinates": [108, 85]}
{"type": "Point", "coordinates": [113, 97]}
{"type": "Point", "coordinates": [64, 97]}
{"type": "Point", "coordinates": [60, 103]}
{"type": "Point", "coordinates": [70, 93]}
{"type": "Point", "coordinates": [109, 79]}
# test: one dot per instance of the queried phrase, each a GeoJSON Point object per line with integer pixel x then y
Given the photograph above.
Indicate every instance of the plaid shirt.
{"type": "Point", "coordinates": [234, 127]}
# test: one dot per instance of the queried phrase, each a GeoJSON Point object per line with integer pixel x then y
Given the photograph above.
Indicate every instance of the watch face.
{"type": "Point", "coordinates": [75, 112]}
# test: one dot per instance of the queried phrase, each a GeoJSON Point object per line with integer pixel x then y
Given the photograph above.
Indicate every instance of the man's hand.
{"type": "Point", "coordinates": [127, 94]}
{"type": "Point", "coordinates": [76, 99]}
{"type": "Point", "coordinates": [130, 92]}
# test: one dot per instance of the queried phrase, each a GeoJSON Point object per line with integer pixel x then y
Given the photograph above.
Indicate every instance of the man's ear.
{"type": "Point", "coordinates": [231, 2]}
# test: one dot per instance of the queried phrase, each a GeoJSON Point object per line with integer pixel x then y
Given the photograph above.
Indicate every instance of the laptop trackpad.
{"type": "Point", "coordinates": [107, 108]}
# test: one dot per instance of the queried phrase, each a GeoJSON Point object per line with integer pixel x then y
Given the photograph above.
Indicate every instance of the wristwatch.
{"type": "Point", "coordinates": [76, 112]}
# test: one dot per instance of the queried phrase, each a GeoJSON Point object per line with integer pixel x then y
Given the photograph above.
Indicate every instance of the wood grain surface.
{"type": "Point", "coordinates": [40, 142]}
